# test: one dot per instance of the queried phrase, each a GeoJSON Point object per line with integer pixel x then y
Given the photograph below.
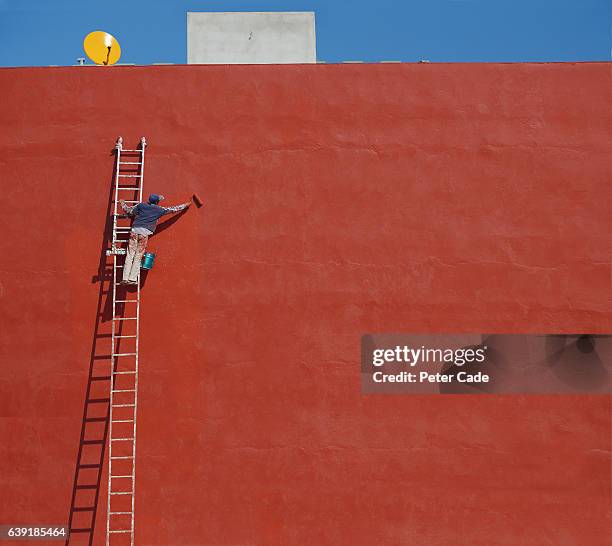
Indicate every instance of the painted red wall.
{"type": "Point", "coordinates": [340, 199]}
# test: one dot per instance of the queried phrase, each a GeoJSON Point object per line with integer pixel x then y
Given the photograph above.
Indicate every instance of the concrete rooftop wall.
{"type": "Point", "coordinates": [251, 38]}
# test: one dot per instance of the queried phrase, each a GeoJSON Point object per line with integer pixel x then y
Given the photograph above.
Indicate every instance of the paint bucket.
{"type": "Point", "coordinates": [148, 260]}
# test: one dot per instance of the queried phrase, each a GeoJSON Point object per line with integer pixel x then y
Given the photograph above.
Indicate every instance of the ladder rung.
{"type": "Point", "coordinates": [128, 318]}
{"type": "Point", "coordinates": [124, 390]}
{"type": "Point", "coordinates": [86, 487]}
{"type": "Point", "coordinates": [122, 493]}
{"type": "Point", "coordinates": [126, 201]}
{"type": "Point", "coordinates": [84, 509]}
{"type": "Point", "coordinates": [112, 513]}
{"type": "Point", "coordinates": [135, 188]}
{"type": "Point", "coordinates": [120, 439]}
{"type": "Point", "coordinates": [124, 336]}
{"type": "Point", "coordinates": [122, 476]}
{"type": "Point", "coordinates": [121, 530]}
{"type": "Point", "coordinates": [98, 400]}
{"type": "Point", "coordinates": [124, 354]}
{"type": "Point", "coordinates": [124, 457]}
{"type": "Point", "coordinates": [125, 301]}
{"type": "Point", "coordinates": [124, 373]}
{"type": "Point", "coordinates": [129, 175]}
{"type": "Point", "coordinates": [92, 442]}
{"type": "Point", "coordinates": [96, 419]}
{"type": "Point", "coordinates": [139, 151]}
{"type": "Point", "coordinates": [123, 405]}
{"type": "Point", "coordinates": [130, 163]}
{"type": "Point", "coordinates": [122, 421]}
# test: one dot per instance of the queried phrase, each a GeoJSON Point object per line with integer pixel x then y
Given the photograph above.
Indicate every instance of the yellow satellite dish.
{"type": "Point", "coordinates": [102, 47]}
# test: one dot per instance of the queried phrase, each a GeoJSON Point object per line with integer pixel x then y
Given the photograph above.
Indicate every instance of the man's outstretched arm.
{"type": "Point", "coordinates": [176, 208]}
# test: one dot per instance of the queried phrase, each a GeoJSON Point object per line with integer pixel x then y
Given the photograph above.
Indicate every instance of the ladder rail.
{"type": "Point", "coordinates": [118, 147]}
{"type": "Point", "coordinates": [143, 145]}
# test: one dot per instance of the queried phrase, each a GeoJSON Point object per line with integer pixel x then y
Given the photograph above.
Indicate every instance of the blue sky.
{"type": "Point", "coordinates": [46, 32]}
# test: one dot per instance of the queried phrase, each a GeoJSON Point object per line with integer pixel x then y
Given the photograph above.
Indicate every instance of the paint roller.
{"type": "Point", "coordinates": [196, 199]}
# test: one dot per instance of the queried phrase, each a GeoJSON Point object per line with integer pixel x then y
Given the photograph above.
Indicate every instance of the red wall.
{"type": "Point", "coordinates": [340, 199]}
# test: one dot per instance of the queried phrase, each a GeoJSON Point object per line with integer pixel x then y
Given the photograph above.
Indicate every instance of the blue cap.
{"type": "Point", "coordinates": [154, 198]}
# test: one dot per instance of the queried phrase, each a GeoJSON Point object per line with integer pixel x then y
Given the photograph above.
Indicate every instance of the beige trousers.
{"type": "Point", "coordinates": [135, 250]}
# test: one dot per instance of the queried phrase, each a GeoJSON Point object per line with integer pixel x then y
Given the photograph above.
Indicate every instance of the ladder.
{"type": "Point", "coordinates": [123, 399]}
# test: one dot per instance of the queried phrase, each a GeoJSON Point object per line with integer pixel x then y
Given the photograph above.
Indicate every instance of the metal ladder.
{"type": "Point", "coordinates": [129, 179]}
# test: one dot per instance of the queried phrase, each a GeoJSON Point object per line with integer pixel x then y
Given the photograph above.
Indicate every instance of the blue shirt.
{"type": "Point", "coordinates": [146, 215]}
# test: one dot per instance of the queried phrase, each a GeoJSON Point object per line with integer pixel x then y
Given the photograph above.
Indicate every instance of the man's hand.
{"type": "Point", "coordinates": [126, 209]}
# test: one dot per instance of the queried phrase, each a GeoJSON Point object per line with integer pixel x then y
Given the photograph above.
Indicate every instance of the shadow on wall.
{"type": "Point", "coordinates": [160, 227]}
{"type": "Point", "coordinates": [94, 426]}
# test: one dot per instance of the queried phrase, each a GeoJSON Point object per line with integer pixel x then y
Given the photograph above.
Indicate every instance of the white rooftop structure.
{"type": "Point", "coordinates": [251, 37]}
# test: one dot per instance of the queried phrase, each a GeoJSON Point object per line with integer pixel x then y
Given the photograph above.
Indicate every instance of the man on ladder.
{"type": "Point", "coordinates": [145, 217]}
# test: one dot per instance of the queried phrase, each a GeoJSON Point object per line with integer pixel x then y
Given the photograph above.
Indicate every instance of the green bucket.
{"type": "Point", "coordinates": [148, 260]}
